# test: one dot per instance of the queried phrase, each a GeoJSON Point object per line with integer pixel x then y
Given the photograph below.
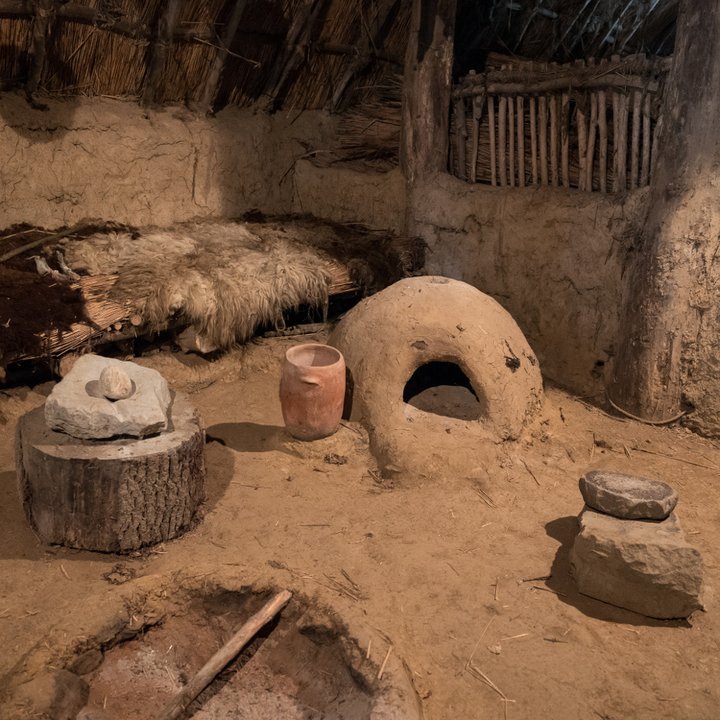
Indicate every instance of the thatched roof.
{"type": "Point", "coordinates": [289, 53]}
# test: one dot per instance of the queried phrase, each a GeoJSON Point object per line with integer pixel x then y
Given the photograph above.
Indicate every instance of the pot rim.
{"type": "Point", "coordinates": [291, 353]}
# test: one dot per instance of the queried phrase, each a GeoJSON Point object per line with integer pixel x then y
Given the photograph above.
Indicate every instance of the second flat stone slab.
{"type": "Point", "coordinates": [628, 497]}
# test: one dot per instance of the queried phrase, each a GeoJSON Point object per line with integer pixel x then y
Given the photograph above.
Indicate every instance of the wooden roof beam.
{"type": "Point", "coordinates": [213, 81]}
{"type": "Point", "coordinates": [159, 52]}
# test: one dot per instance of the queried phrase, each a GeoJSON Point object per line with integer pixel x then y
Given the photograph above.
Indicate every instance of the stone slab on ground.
{"type": "Point", "coordinates": [627, 496]}
{"type": "Point", "coordinates": [77, 407]}
{"type": "Point", "coordinates": [644, 566]}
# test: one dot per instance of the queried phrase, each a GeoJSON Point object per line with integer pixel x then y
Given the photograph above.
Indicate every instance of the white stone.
{"type": "Point", "coordinates": [115, 383]}
{"type": "Point", "coordinates": [76, 405]}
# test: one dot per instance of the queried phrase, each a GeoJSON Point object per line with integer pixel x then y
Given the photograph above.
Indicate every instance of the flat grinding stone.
{"type": "Point", "coordinates": [77, 407]}
{"type": "Point", "coordinates": [627, 496]}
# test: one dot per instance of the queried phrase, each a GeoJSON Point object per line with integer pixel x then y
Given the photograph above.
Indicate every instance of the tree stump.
{"type": "Point", "coordinates": [111, 495]}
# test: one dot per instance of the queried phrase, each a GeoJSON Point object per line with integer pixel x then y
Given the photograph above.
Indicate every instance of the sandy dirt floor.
{"type": "Point", "coordinates": [463, 561]}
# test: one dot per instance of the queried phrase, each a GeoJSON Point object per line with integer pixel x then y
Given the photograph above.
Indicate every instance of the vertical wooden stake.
{"type": "Point", "coordinates": [460, 138]}
{"type": "Point", "coordinates": [645, 171]}
{"type": "Point", "coordinates": [582, 145]}
{"type": "Point", "coordinates": [533, 140]}
{"type": "Point", "coordinates": [565, 138]}
{"type": "Point", "coordinates": [616, 140]}
{"type": "Point", "coordinates": [592, 132]}
{"type": "Point", "coordinates": [502, 140]}
{"type": "Point", "coordinates": [477, 108]}
{"type": "Point", "coordinates": [635, 148]}
{"type": "Point", "coordinates": [521, 140]}
{"type": "Point", "coordinates": [491, 124]}
{"type": "Point", "coordinates": [554, 178]}
{"type": "Point", "coordinates": [542, 140]}
{"type": "Point", "coordinates": [511, 141]}
{"type": "Point", "coordinates": [623, 143]}
{"type": "Point", "coordinates": [602, 125]}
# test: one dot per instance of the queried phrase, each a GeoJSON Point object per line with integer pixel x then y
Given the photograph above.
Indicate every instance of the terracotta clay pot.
{"type": "Point", "coordinates": [312, 390]}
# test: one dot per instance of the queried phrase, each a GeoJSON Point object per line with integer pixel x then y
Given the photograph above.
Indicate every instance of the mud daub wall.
{"type": "Point", "coordinates": [553, 258]}
{"type": "Point", "coordinates": [112, 159]}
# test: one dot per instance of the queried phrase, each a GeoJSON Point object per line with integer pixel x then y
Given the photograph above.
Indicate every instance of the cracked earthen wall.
{"type": "Point", "coordinates": [111, 159]}
{"type": "Point", "coordinates": [553, 258]}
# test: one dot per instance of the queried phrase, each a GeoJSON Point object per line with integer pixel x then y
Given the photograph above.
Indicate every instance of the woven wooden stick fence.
{"type": "Point", "coordinates": [587, 125]}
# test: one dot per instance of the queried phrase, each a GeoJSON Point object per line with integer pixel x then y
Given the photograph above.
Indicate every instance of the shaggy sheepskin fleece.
{"type": "Point", "coordinates": [226, 279]}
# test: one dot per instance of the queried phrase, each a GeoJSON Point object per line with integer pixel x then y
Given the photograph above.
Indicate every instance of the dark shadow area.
{"type": "Point", "coordinates": [564, 530]}
{"type": "Point", "coordinates": [249, 437]}
{"type": "Point", "coordinates": [442, 388]}
{"type": "Point", "coordinates": [220, 468]}
{"type": "Point", "coordinates": [17, 540]}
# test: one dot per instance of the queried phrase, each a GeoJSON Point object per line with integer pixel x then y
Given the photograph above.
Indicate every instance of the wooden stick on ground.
{"type": "Point", "coordinates": [223, 656]}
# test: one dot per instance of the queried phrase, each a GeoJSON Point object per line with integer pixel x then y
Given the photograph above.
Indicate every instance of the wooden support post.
{"type": "Point", "coordinates": [213, 80]}
{"type": "Point", "coordinates": [491, 123]}
{"type": "Point", "coordinates": [40, 27]}
{"type": "Point", "coordinates": [565, 139]}
{"type": "Point", "coordinates": [502, 140]}
{"type": "Point", "coordinates": [667, 344]}
{"type": "Point", "coordinates": [533, 140]}
{"type": "Point", "coordinates": [159, 53]}
{"type": "Point", "coordinates": [542, 140]}
{"type": "Point", "coordinates": [427, 86]}
{"type": "Point", "coordinates": [635, 148]}
{"type": "Point", "coordinates": [521, 140]}
{"type": "Point", "coordinates": [602, 126]}
{"type": "Point", "coordinates": [645, 171]}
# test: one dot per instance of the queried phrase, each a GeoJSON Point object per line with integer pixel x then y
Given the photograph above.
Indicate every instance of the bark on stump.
{"type": "Point", "coordinates": [111, 495]}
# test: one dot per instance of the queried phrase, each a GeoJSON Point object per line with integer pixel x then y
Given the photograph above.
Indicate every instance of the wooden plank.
{"type": "Point", "coordinates": [602, 127]}
{"type": "Point", "coordinates": [645, 171]}
{"type": "Point", "coordinates": [542, 139]}
{"type": "Point", "coordinates": [491, 123]}
{"type": "Point", "coordinates": [520, 114]}
{"type": "Point", "coordinates": [533, 140]}
{"type": "Point", "coordinates": [635, 147]}
{"type": "Point", "coordinates": [502, 140]}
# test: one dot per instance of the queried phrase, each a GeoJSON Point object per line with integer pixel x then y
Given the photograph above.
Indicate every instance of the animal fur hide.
{"type": "Point", "coordinates": [226, 279]}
